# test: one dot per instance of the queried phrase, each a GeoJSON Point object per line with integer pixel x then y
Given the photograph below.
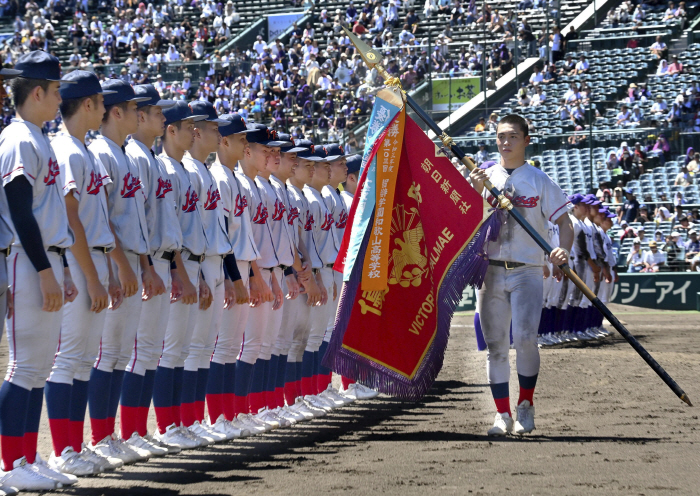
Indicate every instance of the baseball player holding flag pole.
{"type": "Point", "coordinates": [373, 59]}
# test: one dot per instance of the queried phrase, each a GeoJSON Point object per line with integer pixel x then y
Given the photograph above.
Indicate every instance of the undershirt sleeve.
{"type": "Point", "coordinates": [19, 199]}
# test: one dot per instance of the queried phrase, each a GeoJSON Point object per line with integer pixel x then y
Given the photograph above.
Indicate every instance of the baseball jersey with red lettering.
{"type": "Point", "coordinates": [257, 201]}
{"type": "Point", "coordinates": [186, 196]}
{"type": "Point", "coordinates": [25, 151]}
{"type": "Point", "coordinates": [337, 207]}
{"type": "Point", "coordinates": [86, 177]}
{"type": "Point", "coordinates": [236, 210]}
{"type": "Point", "coordinates": [537, 198]}
{"type": "Point", "coordinates": [163, 228]}
{"type": "Point", "coordinates": [321, 222]}
{"type": "Point", "coordinates": [300, 222]}
{"type": "Point", "coordinates": [125, 196]}
{"type": "Point", "coordinates": [279, 227]}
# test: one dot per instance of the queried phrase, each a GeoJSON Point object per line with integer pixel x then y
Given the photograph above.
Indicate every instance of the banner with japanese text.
{"type": "Point", "coordinates": [394, 339]}
{"type": "Point", "coordinates": [662, 290]}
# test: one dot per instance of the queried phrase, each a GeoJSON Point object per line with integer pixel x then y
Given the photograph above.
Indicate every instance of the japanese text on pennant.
{"type": "Point", "coordinates": [376, 263]}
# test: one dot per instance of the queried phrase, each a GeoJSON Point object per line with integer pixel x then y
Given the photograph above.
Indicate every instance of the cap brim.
{"type": "Point", "coordinates": [294, 149]}
{"type": "Point", "coordinates": [277, 143]}
{"type": "Point", "coordinates": [220, 122]}
{"type": "Point", "coordinates": [138, 99]}
{"type": "Point", "coordinates": [317, 159]}
{"type": "Point", "coordinates": [333, 158]}
{"type": "Point", "coordinates": [63, 81]}
{"type": "Point", "coordinates": [10, 73]}
{"type": "Point", "coordinates": [165, 103]}
{"type": "Point", "coordinates": [106, 92]}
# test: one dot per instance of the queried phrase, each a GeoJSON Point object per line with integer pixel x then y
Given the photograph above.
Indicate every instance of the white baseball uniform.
{"type": "Point", "coordinates": [181, 320]}
{"type": "Point", "coordinates": [206, 328]}
{"type": "Point", "coordinates": [81, 329]}
{"type": "Point", "coordinates": [165, 237]}
{"type": "Point", "coordinates": [236, 210]}
{"type": "Point", "coordinates": [516, 295]}
{"type": "Point", "coordinates": [33, 334]}
{"type": "Point", "coordinates": [127, 214]}
{"type": "Point", "coordinates": [340, 217]}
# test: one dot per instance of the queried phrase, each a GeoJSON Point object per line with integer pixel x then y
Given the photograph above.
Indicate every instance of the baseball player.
{"type": "Point", "coordinates": [222, 370]}
{"type": "Point", "coordinates": [611, 260]}
{"type": "Point", "coordinates": [512, 288]}
{"type": "Point", "coordinates": [264, 284]}
{"type": "Point", "coordinates": [165, 238]}
{"type": "Point", "coordinates": [167, 390]}
{"type": "Point", "coordinates": [322, 235]}
{"type": "Point", "coordinates": [277, 343]}
{"type": "Point", "coordinates": [125, 201]}
{"type": "Point", "coordinates": [201, 346]}
{"type": "Point", "coordinates": [594, 318]}
{"type": "Point", "coordinates": [33, 205]}
{"type": "Point", "coordinates": [300, 174]}
{"type": "Point", "coordinates": [593, 276]}
{"type": "Point", "coordinates": [552, 289]}
{"type": "Point", "coordinates": [84, 178]}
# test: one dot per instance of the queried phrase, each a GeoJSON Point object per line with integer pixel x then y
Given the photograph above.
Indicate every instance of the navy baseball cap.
{"type": "Point", "coordinates": [10, 73]}
{"type": "Point", "coordinates": [292, 147]}
{"type": "Point", "coordinates": [207, 110]}
{"type": "Point", "coordinates": [354, 163]}
{"type": "Point", "coordinates": [180, 112]}
{"type": "Point", "coordinates": [591, 200]}
{"type": "Point", "coordinates": [148, 90]}
{"type": "Point", "coordinates": [80, 84]}
{"type": "Point", "coordinates": [576, 198]}
{"type": "Point", "coordinates": [308, 147]}
{"type": "Point", "coordinates": [262, 135]}
{"type": "Point", "coordinates": [319, 154]}
{"type": "Point", "coordinates": [611, 215]}
{"type": "Point", "coordinates": [121, 92]}
{"type": "Point", "coordinates": [236, 125]}
{"type": "Point", "coordinates": [39, 65]}
{"type": "Point", "coordinates": [335, 151]}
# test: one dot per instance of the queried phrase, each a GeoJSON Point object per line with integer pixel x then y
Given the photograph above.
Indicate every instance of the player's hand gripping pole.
{"type": "Point", "coordinates": [373, 59]}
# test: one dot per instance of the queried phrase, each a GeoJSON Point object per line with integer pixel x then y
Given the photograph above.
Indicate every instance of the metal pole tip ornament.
{"type": "Point", "coordinates": [373, 59]}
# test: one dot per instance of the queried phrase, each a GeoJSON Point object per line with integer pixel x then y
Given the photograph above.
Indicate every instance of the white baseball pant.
{"type": "Point", "coordinates": [511, 296]}
{"type": "Point", "coordinates": [4, 286]}
{"type": "Point", "coordinates": [81, 329]}
{"type": "Point", "coordinates": [290, 311]}
{"type": "Point", "coordinates": [181, 320]}
{"type": "Point", "coordinates": [319, 316]}
{"type": "Point", "coordinates": [233, 322]}
{"type": "Point", "coordinates": [300, 329]}
{"type": "Point", "coordinates": [255, 327]}
{"type": "Point", "coordinates": [153, 322]}
{"type": "Point", "coordinates": [274, 320]}
{"type": "Point", "coordinates": [32, 334]}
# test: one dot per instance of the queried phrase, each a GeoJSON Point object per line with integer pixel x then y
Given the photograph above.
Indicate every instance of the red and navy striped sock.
{"type": "Point", "coordinates": [115, 392]}
{"type": "Point", "coordinates": [132, 386]}
{"type": "Point", "coordinates": [215, 391]}
{"type": "Point", "coordinates": [501, 396]}
{"type": "Point", "coordinates": [163, 398]}
{"type": "Point", "coordinates": [78, 406]}
{"type": "Point", "coordinates": [98, 403]}
{"type": "Point", "coordinates": [145, 401]}
{"type": "Point", "coordinates": [290, 383]}
{"type": "Point", "coordinates": [31, 427]}
{"type": "Point", "coordinates": [280, 380]}
{"type": "Point", "coordinates": [58, 403]}
{"type": "Point", "coordinates": [271, 381]}
{"type": "Point", "coordinates": [244, 376]}
{"type": "Point", "coordinates": [325, 374]}
{"type": "Point", "coordinates": [229, 391]}
{"type": "Point", "coordinates": [256, 396]}
{"type": "Point", "coordinates": [201, 394]}
{"type": "Point", "coordinates": [527, 387]}
{"type": "Point", "coordinates": [176, 403]}
{"type": "Point", "coordinates": [188, 396]}
{"type": "Point", "coordinates": [307, 374]}
{"type": "Point", "coordinates": [14, 404]}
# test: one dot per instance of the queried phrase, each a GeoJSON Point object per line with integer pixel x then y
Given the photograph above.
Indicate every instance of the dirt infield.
{"type": "Point", "coordinates": [605, 425]}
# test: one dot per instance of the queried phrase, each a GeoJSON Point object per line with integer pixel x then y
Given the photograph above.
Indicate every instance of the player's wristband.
{"type": "Point", "coordinates": [173, 265]}
{"type": "Point", "coordinates": [288, 271]}
{"type": "Point", "coordinates": [251, 273]}
{"type": "Point", "coordinates": [65, 261]}
{"type": "Point", "coordinates": [150, 260]}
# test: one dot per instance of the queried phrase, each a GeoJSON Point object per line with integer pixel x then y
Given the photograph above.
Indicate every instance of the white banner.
{"type": "Point", "coordinates": [278, 24]}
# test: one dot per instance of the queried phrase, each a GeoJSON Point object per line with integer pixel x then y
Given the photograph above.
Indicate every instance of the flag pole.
{"type": "Point", "coordinates": [373, 60]}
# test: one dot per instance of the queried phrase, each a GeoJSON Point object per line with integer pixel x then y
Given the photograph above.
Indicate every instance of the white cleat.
{"type": "Point", "coordinates": [46, 471]}
{"type": "Point", "coordinates": [211, 433]}
{"type": "Point", "coordinates": [226, 428]}
{"type": "Point", "coordinates": [26, 477]}
{"type": "Point", "coordinates": [7, 490]}
{"type": "Point", "coordinates": [502, 425]}
{"type": "Point", "coordinates": [105, 464]}
{"type": "Point", "coordinates": [251, 428]}
{"type": "Point", "coordinates": [140, 455]}
{"type": "Point", "coordinates": [107, 448]}
{"type": "Point", "coordinates": [290, 415]}
{"type": "Point", "coordinates": [526, 418]}
{"type": "Point", "coordinates": [362, 392]}
{"type": "Point", "coordinates": [137, 442]}
{"type": "Point", "coordinates": [170, 448]}
{"type": "Point", "coordinates": [331, 394]}
{"type": "Point", "coordinates": [70, 462]}
{"type": "Point", "coordinates": [196, 433]}
{"type": "Point", "coordinates": [300, 407]}
{"type": "Point", "coordinates": [173, 436]}
{"type": "Point", "coordinates": [268, 417]}
{"type": "Point", "coordinates": [317, 402]}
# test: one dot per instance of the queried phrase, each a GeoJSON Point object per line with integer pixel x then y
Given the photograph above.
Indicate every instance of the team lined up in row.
{"type": "Point", "coordinates": [184, 284]}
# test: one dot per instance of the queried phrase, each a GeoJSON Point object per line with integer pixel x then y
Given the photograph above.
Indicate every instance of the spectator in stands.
{"type": "Point", "coordinates": [482, 155]}
{"type": "Point", "coordinates": [582, 66]}
{"type": "Point", "coordinates": [408, 78]}
{"type": "Point", "coordinates": [678, 214]}
{"type": "Point", "coordinates": [694, 163]}
{"type": "Point", "coordinates": [653, 259]}
{"type": "Point", "coordinates": [523, 97]}
{"type": "Point", "coordinates": [571, 35]}
{"type": "Point", "coordinates": [692, 250]}
{"type": "Point", "coordinates": [539, 97]}
{"type": "Point", "coordinates": [662, 214]}
{"type": "Point", "coordinates": [672, 250]}
{"type": "Point", "coordinates": [684, 224]}
{"type": "Point", "coordinates": [537, 76]}
{"type": "Point", "coordinates": [675, 67]}
{"type": "Point", "coordinates": [492, 123]}
{"type": "Point", "coordinates": [578, 116]}
{"type": "Point", "coordinates": [640, 157]}
{"type": "Point", "coordinates": [662, 70]}
{"type": "Point", "coordinates": [683, 178]}
{"type": "Point", "coordinates": [662, 148]}
{"type": "Point", "coordinates": [622, 116]}
{"type": "Point", "coordinates": [557, 44]}
{"type": "Point", "coordinates": [659, 107]}
{"type": "Point", "coordinates": [635, 261]}
{"type": "Point", "coordinates": [630, 208]}
{"type": "Point", "coordinates": [563, 110]}
{"type": "Point", "coordinates": [674, 116]}
{"type": "Point", "coordinates": [551, 75]}
{"type": "Point", "coordinates": [481, 126]}
{"type": "Point", "coordinates": [568, 66]}
{"type": "Point", "coordinates": [643, 216]}
{"type": "Point", "coordinates": [659, 48]}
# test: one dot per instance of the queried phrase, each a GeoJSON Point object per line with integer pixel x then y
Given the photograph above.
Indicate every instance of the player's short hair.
{"type": "Point", "coordinates": [22, 88]}
{"type": "Point", "coordinates": [108, 110]}
{"type": "Point", "coordinates": [516, 121]}
{"type": "Point", "coordinates": [177, 124]}
{"type": "Point", "coordinates": [70, 107]}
